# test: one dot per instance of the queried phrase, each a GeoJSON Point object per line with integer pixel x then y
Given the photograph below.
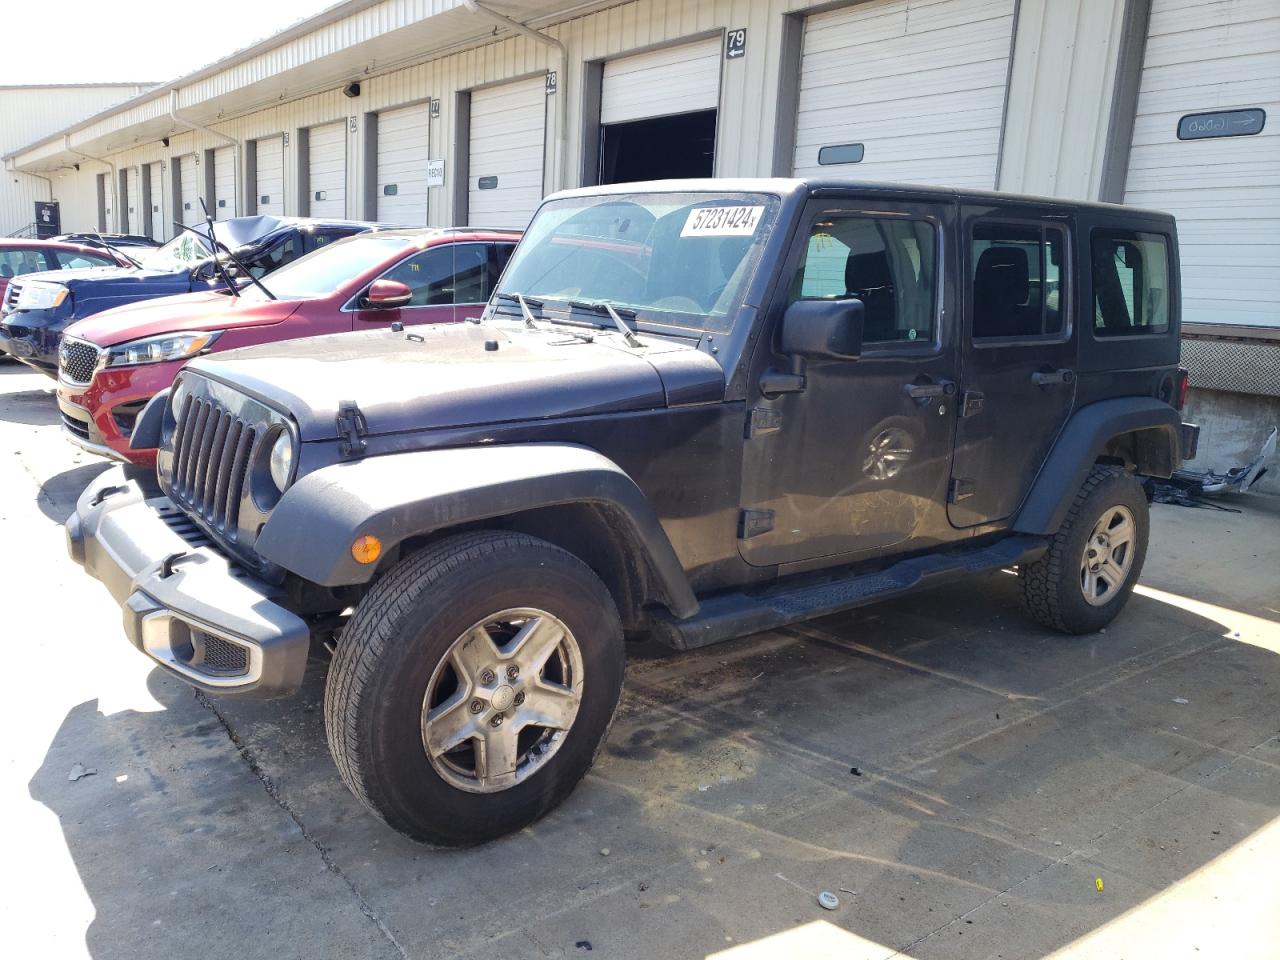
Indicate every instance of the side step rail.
{"type": "Point", "coordinates": [738, 614]}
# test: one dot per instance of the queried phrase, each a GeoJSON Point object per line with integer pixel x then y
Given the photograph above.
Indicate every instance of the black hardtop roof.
{"type": "Point", "coordinates": [788, 186]}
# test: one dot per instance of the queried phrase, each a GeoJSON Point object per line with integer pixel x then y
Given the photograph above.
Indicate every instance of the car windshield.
{"type": "Point", "coordinates": [323, 271]}
{"type": "Point", "coordinates": [184, 250]}
{"type": "Point", "coordinates": [678, 259]}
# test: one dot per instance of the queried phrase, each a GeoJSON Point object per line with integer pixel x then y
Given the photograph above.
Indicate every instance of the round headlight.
{"type": "Point", "coordinates": [281, 462]}
{"type": "Point", "coordinates": [175, 399]}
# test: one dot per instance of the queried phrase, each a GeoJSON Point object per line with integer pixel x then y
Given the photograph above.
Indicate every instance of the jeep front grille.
{"type": "Point", "coordinates": [211, 455]}
{"type": "Point", "coordinates": [77, 360]}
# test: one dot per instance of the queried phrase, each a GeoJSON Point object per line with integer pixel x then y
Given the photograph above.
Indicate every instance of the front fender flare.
{"type": "Point", "coordinates": [1082, 441]}
{"type": "Point", "coordinates": [402, 495]}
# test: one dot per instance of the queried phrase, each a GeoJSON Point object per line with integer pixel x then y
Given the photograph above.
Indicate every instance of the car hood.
{"type": "Point", "coordinates": [83, 277]}
{"type": "Point", "coordinates": [451, 376]}
{"type": "Point", "coordinates": [203, 310]}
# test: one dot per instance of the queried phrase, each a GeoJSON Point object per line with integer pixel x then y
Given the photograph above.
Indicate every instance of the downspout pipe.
{"type": "Point", "coordinates": [115, 207]}
{"type": "Point", "coordinates": [232, 141]}
{"type": "Point", "coordinates": [562, 130]}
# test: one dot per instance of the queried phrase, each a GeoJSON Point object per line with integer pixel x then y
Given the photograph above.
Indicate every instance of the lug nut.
{"type": "Point", "coordinates": [477, 706]}
{"type": "Point", "coordinates": [496, 721]}
{"type": "Point", "coordinates": [486, 677]}
{"type": "Point", "coordinates": [519, 698]}
{"type": "Point", "coordinates": [512, 672]}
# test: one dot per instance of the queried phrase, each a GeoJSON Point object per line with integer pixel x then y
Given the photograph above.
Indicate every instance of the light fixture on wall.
{"type": "Point", "coordinates": [351, 90]}
{"type": "Point", "coordinates": [164, 141]}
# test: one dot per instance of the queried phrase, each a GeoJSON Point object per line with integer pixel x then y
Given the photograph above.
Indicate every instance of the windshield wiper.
{"type": "Point", "coordinates": [116, 250]}
{"type": "Point", "coordinates": [233, 287]}
{"type": "Point", "coordinates": [615, 315]}
{"type": "Point", "coordinates": [524, 306]}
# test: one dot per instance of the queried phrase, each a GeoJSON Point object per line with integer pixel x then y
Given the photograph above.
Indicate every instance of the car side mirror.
{"type": "Point", "coordinates": [386, 295]}
{"type": "Point", "coordinates": [823, 329]}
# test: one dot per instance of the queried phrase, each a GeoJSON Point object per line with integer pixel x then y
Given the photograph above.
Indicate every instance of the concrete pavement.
{"type": "Point", "coordinates": [958, 777]}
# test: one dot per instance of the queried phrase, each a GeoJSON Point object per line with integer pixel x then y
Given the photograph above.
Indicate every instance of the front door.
{"type": "Point", "coordinates": [857, 461]}
{"type": "Point", "coordinates": [449, 281]}
{"type": "Point", "coordinates": [1018, 382]}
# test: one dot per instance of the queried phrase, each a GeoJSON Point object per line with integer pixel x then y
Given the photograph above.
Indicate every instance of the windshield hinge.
{"type": "Point", "coordinates": [352, 428]}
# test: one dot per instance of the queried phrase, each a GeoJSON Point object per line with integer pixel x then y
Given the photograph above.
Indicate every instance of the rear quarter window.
{"type": "Point", "coordinates": [1132, 283]}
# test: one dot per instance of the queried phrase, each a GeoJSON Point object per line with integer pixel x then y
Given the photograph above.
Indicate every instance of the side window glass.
{"type": "Point", "coordinates": [501, 254]}
{"type": "Point", "coordinates": [471, 273]}
{"type": "Point", "coordinates": [1130, 283]}
{"type": "Point", "coordinates": [432, 274]}
{"type": "Point", "coordinates": [14, 263]}
{"type": "Point", "coordinates": [1018, 284]}
{"type": "Point", "coordinates": [274, 257]}
{"type": "Point", "coordinates": [886, 262]}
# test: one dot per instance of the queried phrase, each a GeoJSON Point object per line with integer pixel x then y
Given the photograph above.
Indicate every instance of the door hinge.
{"type": "Point", "coordinates": [971, 402]}
{"type": "Point", "coordinates": [752, 523]}
{"type": "Point", "coordinates": [960, 489]}
{"type": "Point", "coordinates": [352, 429]}
{"type": "Point", "coordinates": [762, 420]}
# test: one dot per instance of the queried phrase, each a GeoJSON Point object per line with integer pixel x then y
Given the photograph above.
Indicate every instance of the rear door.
{"type": "Point", "coordinates": [1018, 384]}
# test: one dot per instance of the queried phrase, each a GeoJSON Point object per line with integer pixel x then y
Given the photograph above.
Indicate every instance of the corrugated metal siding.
{"type": "Point", "coordinates": [1225, 192]}
{"type": "Point", "coordinates": [159, 225]}
{"type": "Point", "coordinates": [133, 201]}
{"type": "Point", "coordinates": [507, 151]}
{"type": "Point", "coordinates": [327, 177]}
{"type": "Point", "coordinates": [670, 80]}
{"type": "Point", "coordinates": [223, 206]}
{"type": "Point", "coordinates": [404, 140]}
{"type": "Point", "coordinates": [189, 172]}
{"type": "Point", "coordinates": [920, 84]}
{"type": "Point", "coordinates": [270, 175]}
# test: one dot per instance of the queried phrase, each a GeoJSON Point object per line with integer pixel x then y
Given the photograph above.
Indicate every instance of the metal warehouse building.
{"type": "Point", "coordinates": [447, 112]}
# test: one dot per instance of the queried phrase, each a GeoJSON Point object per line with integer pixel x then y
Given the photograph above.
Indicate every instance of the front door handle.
{"type": "Point", "coordinates": [929, 391]}
{"type": "Point", "coordinates": [1043, 378]}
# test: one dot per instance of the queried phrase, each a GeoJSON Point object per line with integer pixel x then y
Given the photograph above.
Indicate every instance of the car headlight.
{"type": "Point", "coordinates": [281, 460]}
{"type": "Point", "coordinates": [167, 346]}
{"type": "Point", "coordinates": [176, 397]}
{"type": "Point", "coordinates": [39, 295]}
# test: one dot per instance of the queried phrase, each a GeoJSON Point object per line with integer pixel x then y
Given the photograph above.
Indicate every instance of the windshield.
{"type": "Point", "coordinates": [323, 271]}
{"type": "Point", "coordinates": [680, 259]}
{"type": "Point", "coordinates": [184, 250]}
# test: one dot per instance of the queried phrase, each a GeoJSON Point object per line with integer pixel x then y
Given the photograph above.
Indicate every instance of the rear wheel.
{"type": "Point", "coordinates": [474, 686]}
{"type": "Point", "coordinates": [1094, 560]}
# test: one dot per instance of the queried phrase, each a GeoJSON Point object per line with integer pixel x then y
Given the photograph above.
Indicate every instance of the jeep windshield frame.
{"type": "Point", "coordinates": [679, 262]}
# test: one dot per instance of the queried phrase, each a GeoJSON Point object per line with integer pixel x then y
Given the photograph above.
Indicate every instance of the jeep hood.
{"type": "Point", "coordinates": [443, 376]}
{"type": "Point", "coordinates": [204, 310]}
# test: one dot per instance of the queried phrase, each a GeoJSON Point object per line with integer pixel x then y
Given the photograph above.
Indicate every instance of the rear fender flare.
{"type": "Point", "coordinates": [1087, 438]}
{"type": "Point", "coordinates": [399, 496]}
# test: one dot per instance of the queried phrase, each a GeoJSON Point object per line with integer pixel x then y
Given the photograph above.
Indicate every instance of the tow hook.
{"type": "Point", "coordinates": [104, 493]}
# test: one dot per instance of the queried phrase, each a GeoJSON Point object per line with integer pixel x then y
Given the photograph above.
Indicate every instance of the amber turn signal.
{"type": "Point", "coordinates": [366, 549]}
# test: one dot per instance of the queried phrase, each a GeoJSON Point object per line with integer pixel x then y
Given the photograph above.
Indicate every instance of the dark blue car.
{"type": "Point", "coordinates": [39, 306]}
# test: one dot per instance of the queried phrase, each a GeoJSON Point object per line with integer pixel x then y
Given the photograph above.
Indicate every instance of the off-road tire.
{"type": "Point", "coordinates": [1051, 590]}
{"type": "Point", "coordinates": [393, 643]}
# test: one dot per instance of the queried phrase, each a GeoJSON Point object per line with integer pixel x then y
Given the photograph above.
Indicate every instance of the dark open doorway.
{"type": "Point", "coordinates": [659, 148]}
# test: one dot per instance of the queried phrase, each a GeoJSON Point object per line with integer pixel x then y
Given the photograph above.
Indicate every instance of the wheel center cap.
{"type": "Point", "coordinates": [503, 697]}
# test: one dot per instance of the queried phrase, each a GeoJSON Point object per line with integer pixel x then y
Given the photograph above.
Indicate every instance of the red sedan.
{"type": "Point", "coordinates": [35, 256]}
{"type": "Point", "coordinates": [113, 362]}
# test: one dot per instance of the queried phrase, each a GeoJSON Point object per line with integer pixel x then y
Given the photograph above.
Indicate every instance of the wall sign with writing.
{"type": "Point", "coordinates": [735, 43]}
{"type": "Point", "coordinates": [1221, 123]}
{"type": "Point", "coordinates": [487, 183]}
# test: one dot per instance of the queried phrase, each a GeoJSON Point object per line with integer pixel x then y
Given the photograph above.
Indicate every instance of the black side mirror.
{"type": "Point", "coordinates": [823, 329]}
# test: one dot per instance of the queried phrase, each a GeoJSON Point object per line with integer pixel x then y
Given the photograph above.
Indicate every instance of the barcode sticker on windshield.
{"type": "Point", "coordinates": [722, 222]}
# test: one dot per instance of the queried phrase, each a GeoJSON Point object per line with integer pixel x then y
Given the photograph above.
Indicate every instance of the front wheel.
{"type": "Point", "coordinates": [1093, 562]}
{"type": "Point", "coordinates": [474, 686]}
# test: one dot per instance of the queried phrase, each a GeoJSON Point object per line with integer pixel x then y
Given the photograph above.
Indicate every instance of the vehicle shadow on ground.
{"type": "Point", "coordinates": [963, 777]}
{"type": "Point", "coordinates": [58, 495]}
{"type": "Point", "coordinates": [37, 408]}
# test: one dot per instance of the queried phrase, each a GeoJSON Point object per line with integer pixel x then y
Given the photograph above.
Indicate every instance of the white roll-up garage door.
{"type": "Point", "coordinates": [270, 176]}
{"type": "Point", "coordinates": [224, 183]}
{"type": "Point", "coordinates": [327, 170]}
{"type": "Point", "coordinates": [189, 202]}
{"type": "Point", "coordinates": [916, 88]}
{"type": "Point", "coordinates": [133, 201]}
{"type": "Point", "coordinates": [659, 83]}
{"type": "Point", "coordinates": [508, 128]}
{"type": "Point", "coordinates": [1224, 190]}
{"type": "Point", "coordinates": [403, 150]}
{"type": "Point", "coordinates": [155, 181]}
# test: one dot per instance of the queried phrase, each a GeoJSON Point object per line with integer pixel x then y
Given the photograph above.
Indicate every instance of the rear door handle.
{"type": "Point", "coordinates": [929, 391]}
{"type": "Point", "coordinates": [1043, 378]}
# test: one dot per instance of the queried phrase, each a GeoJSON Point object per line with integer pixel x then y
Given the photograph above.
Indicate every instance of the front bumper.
{"type": "Point", "coordinates": [33, 336]}
{"type": "Point", "coordinates": [185, 605]}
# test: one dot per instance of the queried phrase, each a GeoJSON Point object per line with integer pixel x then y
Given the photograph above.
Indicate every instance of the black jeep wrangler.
{"type": "Point", "coordinates": [692, 411]}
